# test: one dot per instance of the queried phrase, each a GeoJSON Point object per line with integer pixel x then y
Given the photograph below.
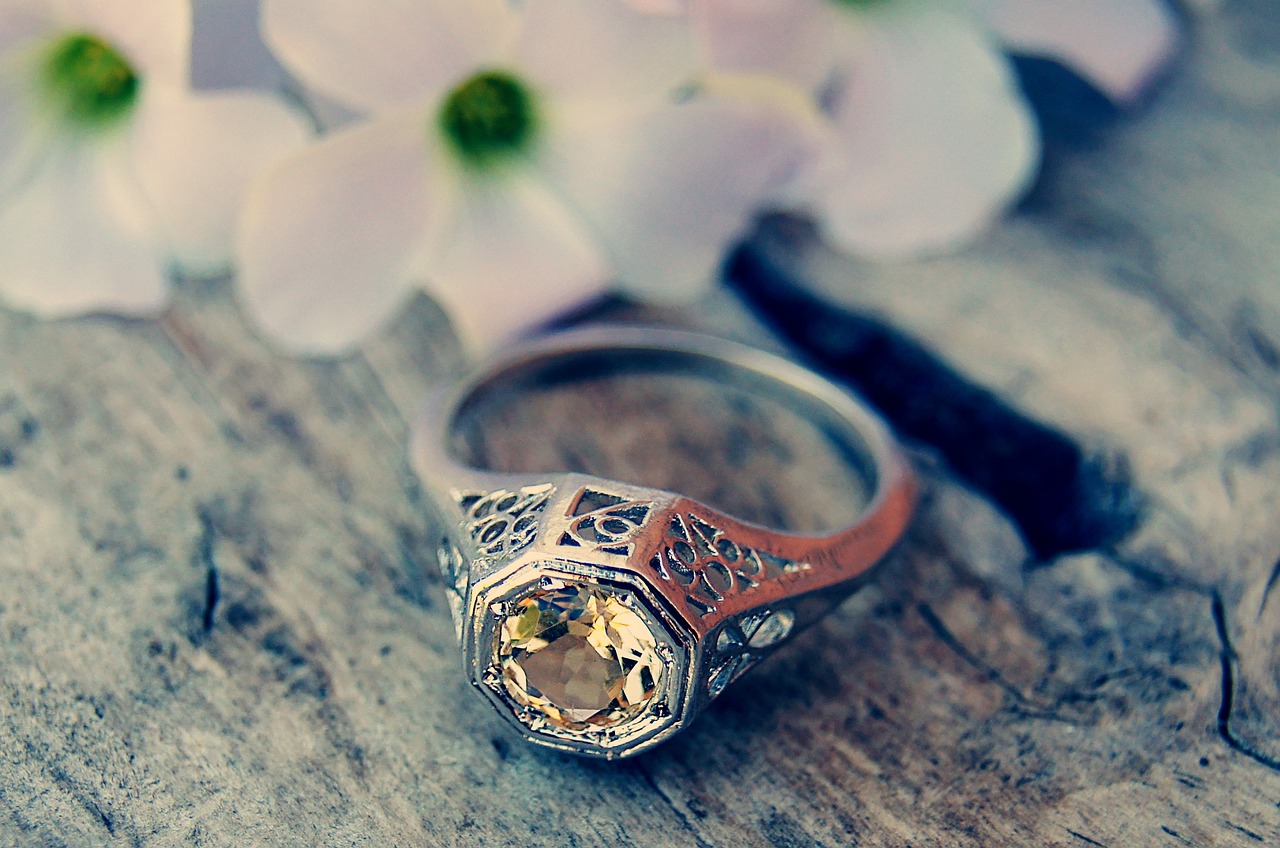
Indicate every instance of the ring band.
{"type": "Point", "coordinates": [601, 617]}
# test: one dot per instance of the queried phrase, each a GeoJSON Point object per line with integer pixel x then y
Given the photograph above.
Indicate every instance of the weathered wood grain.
{"type": "Point", "coordinates": [220, 625]}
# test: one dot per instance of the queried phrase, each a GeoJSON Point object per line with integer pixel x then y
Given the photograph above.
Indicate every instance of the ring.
{"type": "Point", "coordinates": [600, 617]}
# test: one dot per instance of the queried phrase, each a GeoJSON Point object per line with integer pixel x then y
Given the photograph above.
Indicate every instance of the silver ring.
{"type": "Point", "coordinates": [600, 617]}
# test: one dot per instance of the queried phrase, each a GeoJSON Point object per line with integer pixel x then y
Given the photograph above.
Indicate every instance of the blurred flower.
{"type": "Point", "coordinates": [1118, 45]}
{"type": "Point", "coordinates": [660, 7]}
{"type": "Point", "coordinates": [110, 168]}
{"type": "Point", "coordinates": [517, 162]}
{"type": "Point", "coordinates": [932, 136]}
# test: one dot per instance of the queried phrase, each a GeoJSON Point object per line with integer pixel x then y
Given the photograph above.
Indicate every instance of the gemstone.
{"type": "Point", "coordinates": [727, 672]}
{"type": "Point", "coordinates": [771, 630]}
{"type": "Point", "coordinates": [580, 656]}
{"type": "Point", "coordinates": [729, 639]}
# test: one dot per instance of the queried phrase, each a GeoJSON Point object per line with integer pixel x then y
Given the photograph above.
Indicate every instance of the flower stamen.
{"type": "Point", "coordinates": [489, 118]}
{"type": "Point", "coordinates": [93, 85]}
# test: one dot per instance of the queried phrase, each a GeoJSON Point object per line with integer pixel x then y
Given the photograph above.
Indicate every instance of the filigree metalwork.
{"type": "Point", "coordinates": [456, 573]}
{"type": "Point", "coordinates": [605, 523]}
{"type": "Point", "coordinates": [711, 566]}
{"type": "Point", "coordinates": [716, 594]}
{"type": "Point", "coordinates": [505, 522]}
{"type": "Point", "coordinates": [743, 643]}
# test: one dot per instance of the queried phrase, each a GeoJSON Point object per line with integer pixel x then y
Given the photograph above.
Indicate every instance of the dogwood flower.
{"type": "Point", "coordinates": [111, 169]}
{"type": "Point", "coordinates": [933, 138]}
{"type": "Point", "coordinates": [517, 162]}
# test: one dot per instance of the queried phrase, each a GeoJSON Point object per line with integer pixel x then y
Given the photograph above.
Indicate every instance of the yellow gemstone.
{"type": "Point", "coordinates": [580, 656]}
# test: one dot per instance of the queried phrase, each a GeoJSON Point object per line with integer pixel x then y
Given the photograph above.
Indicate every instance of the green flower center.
{"type": "Point", "coordinates": [89, 80]}
{"type": "Point", "coordinates": [489, 118]}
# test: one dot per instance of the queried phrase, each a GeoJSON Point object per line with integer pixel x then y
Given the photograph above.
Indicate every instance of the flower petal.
{"type": "Point", "coordinates": [1117, 44]}
{"type": "Point", "coordinates": [935, 139]}
{"type": "Point", "coordinates": [22, 21]}
{"type": "Point", "coordinates": [660, 7]}
{"type": "Point", "coordinates": [603, 48]}
{"type": "Point", "coordinates": [669, 187]}
{"type": "Point", "coordinates": [325, 245]}
{"type": "Point", "coordinates": [798, 40]}
{"type": "Point", "coordinates": [506, 256]}
{"type": "Point", "coordinates": [19, 144]}
{"type": "Point", "coordinates": [154, 35]}
{"type": "Point", "coordinates": [391, 53]}
{"type": "Point", "coordinates": [195, 157]}
{"type": "Point", "coordinates": [78, 238]}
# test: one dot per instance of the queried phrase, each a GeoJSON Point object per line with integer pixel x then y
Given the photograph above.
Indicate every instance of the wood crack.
{"type": "Point", "coordinates": [1086, 840]}
{"type": "Point", "coordinates": [1271, 584]}
{"type": "Point", "coordinates": [1026, 706]}
{"type": "Point", "coordinates": [86, 798]}
{"type": "Point", "coordinates": [1227, 657]}
{"type": "Point", "coordinates": [205, 555]}
{"type": "Point", "coordinates": [1249, 833]}
{"type": "Point", "coordinates": [671, 804]}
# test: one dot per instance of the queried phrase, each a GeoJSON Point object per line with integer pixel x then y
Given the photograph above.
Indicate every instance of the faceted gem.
{"type": "Point", "coordinates": [729, 639]}
{"type": "Point", "coordinates": [580, 656]}
{"type": "Point", "coordinates": [772, 629]}
{"type": "Point", "coordinates": [489, 118]}
{"type": "Point", "coordinates": [726, 673]}
{"type": "Point", "coordinates": [92, 84]}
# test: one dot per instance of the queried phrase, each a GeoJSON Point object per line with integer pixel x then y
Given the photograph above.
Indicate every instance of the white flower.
{"type": "Point", "coordinates": [517, 163]}
{"type": "Point", "coordinates": [111, 170]}
{"type": "Point", "coordinates": [1118, 45]}
{"type": "Point", "coordinates": [932, 136]}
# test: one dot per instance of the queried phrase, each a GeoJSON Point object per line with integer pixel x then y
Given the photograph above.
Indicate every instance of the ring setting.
{"type": "Point", "coordinates": [600, 617]}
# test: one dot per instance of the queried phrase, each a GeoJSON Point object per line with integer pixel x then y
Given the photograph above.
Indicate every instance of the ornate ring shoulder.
{"type": "Point", "coordinates": [600, 617]}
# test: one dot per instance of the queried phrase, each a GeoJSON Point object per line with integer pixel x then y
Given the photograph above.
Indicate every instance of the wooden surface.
{"type": "Point", "coordinates": [220, 625]}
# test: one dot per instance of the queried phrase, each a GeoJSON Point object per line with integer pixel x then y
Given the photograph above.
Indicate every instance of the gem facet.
{"type": "Point", "coordinates": [579, 656]}
{"type": "Point", "coordinates": [772, 629]}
